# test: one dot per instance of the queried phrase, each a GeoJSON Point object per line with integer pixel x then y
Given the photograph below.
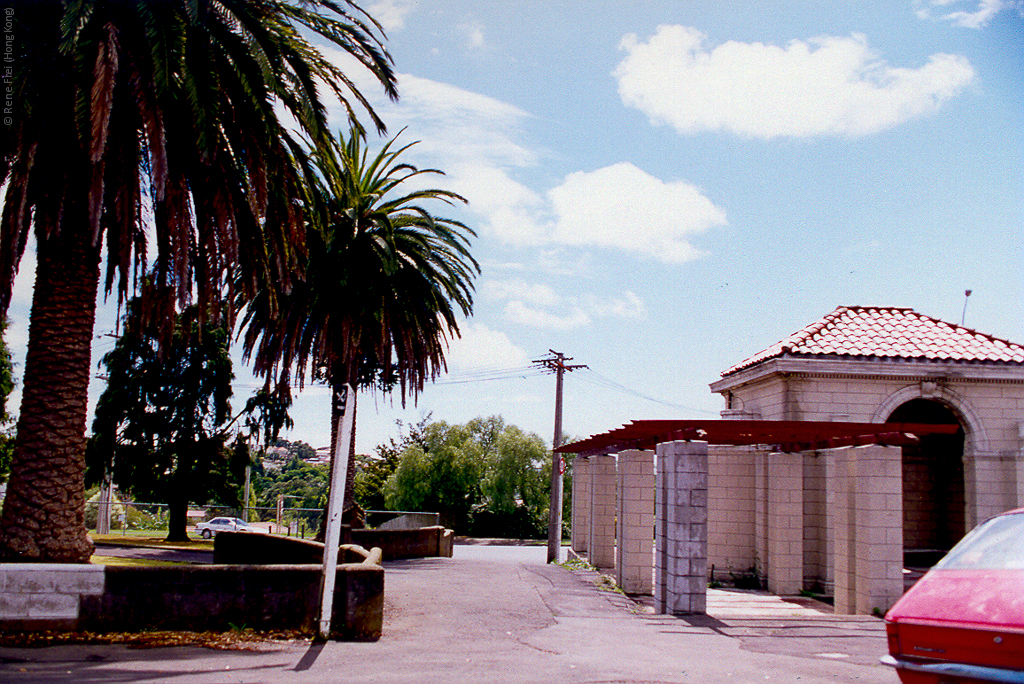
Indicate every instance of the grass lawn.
{"type": "Point", "coordinates": [152, 539]}
{"type": "Point", "coordinates": [115, 560]}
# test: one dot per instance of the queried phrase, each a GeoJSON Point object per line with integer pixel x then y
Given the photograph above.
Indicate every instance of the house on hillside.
{"type": "Point", "coordinates": [871, 365]}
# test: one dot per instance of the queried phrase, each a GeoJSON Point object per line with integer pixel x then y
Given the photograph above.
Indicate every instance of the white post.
{"type": "Point", "coordinates": [248, 490]}
{"type": "Point", "coordinates": [334, 505]}
{"type": "Point", "coordinates": [103, 513]}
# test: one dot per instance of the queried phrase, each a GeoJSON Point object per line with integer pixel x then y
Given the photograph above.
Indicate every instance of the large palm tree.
{"type": "Point", "coordinates": [136, 123]}
{"type": "Point", "coordinates": [383, 289]}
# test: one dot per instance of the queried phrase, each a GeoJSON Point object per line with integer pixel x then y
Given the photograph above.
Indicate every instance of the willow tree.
{"type": "Point", "coordinates": [149, 132]}
{"type": "Point", "coordinates": [383, 288]}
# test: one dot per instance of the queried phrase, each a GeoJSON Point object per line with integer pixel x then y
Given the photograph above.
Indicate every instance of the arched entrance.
{"type": "Point", "coordinates": [933, 484]}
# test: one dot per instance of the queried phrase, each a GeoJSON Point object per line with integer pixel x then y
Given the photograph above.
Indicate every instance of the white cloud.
{"type": "Point", "coordinates": [533, 293]}
{"type": "Point", "coordinates": [823, 86]}
{"type": "Point", "coordinates": [508, 208]}
{"type": "Point", "coordinates": [391, 13]}
{"type": "Point", "coordinates": [519, 312]}
{"type": "Point", "coordinates": [537, 305]}
{"type": "Point", "coordinates": [629, 305]}
{"type": "Point", "coordinates": [477, 141]}
{"type": "Point", "coordinates": [481, 347]}
{"type": "Point", "coordinates": [622, 207]}
{"type": "Point", "coordinates": [978, 14]}
{"type": "Point", "coordinates": [482, 123]}
{"type": "Point", "coordinates": [474, 36]}
{"type": "Point", "coordinates": [473, 138]}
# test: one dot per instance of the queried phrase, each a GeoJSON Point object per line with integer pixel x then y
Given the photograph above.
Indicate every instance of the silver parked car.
{"type": "Point", "coordinates": [212, 527]}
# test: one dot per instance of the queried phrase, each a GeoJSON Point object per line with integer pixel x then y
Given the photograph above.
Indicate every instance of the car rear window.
{"type": "Point", "coordinates": [996, 544]}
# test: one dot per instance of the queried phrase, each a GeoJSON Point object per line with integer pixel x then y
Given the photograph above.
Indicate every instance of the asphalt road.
{"type": "Point", "coordinates": [499, 614]}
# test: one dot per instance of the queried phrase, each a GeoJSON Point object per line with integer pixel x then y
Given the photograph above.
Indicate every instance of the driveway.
{"type": "Point", "coordinates": [508, 617]}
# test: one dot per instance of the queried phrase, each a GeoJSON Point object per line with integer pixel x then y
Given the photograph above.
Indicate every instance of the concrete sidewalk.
{"type": "Point", "coordinates": [497, 615]}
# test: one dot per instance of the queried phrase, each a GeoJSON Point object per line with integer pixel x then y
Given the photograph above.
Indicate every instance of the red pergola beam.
{"type": "Point", "coordinates": [785, 435]}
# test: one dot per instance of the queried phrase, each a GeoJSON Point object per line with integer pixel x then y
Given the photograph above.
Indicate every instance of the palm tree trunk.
{"type": "Point", "coordinates": [43, 517]}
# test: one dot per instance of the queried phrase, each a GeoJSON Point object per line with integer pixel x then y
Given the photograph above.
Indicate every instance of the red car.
{"type": "Point", "coordinates": [963, 622]}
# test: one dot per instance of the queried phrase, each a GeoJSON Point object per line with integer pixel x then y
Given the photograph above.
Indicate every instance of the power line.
{"type": "Point", "coordinates": [489, 375]}
{"type": "Point", "coordinates": [466, 377]}
{"type": "Point", "coordinates": [595, 378]}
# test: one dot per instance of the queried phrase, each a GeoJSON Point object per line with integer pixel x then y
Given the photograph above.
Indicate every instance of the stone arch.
{"type": "Point", "coordinates": [933, 482]}
{"type": "Point", "coordinates": [976, 439]}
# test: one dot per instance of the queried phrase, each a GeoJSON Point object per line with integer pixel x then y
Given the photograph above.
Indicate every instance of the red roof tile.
{"type": "Point", "coordinates": [878, 332]}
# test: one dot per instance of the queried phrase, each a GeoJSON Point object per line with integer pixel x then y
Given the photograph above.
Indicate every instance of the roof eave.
{"type": "Point", "coordinates": [876, 367]}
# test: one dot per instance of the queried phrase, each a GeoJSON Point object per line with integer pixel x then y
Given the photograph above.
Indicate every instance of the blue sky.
{"type": "Point", "coordinates": [663, 189]}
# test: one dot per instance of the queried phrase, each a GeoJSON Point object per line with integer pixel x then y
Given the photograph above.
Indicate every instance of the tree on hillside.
{"type": "Point", "coordinates": [382, 289]}
{"type": "Point", "coordinates": [136, 120]}
{"type": "Point", "coordinates": [304, 485]}
{"type": "Point", "coordinates": [160, 423]}
{"type": "Point", "coordinates": [300, 449]}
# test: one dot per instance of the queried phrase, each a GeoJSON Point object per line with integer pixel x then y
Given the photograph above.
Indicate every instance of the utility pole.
{"type": "Point", "coordinates": [556, 364]}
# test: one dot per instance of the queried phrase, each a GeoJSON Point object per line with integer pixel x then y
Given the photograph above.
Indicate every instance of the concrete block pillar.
{"type": "Point", "coordinates": [785, 565]}
{"type": "Point", "coordinates": [879, 515]}
{"type": "Point", "coordinates": [830, 469]}
{"type": "Point", "coordinates": [843, 531]}
{"type": "Point", "coordinates": [580, 504]}
{"type": "Point", "coordinates": [761, 514]}
{"type": "Point", "coordinates": [681, 534]}
{"type": "Point", "coordinates": [601, 543]}
{"type": "Point", "coordinates": [634, 551]}
{"type": "Point", "coordinates": [868, 520]}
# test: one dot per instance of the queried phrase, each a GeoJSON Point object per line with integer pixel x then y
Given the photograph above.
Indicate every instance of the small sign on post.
{"type": "Point", "coordinates": [344, 401]}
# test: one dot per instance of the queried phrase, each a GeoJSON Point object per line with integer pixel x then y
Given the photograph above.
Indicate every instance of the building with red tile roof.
{"type": "Point", "coordinates": [865, 442]}
{"type": "Point", "coordinates": [869, 332]}
{"type": "Point", "coordinates": [874, 365]}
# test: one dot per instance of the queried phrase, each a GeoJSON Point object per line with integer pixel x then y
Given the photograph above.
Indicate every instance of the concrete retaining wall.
{"type": "Point", "coordinates": [403, 521]}
{"type": "Point", "coordinates": [257, 549]}
{"type": "Point", "coordinates": [424, 542]}
{"type": "Point", "coordinates": [197, 597]}
{"type": "Point", "coordinates": [46, 595]}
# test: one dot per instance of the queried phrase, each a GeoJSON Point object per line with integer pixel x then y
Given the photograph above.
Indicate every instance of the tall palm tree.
{"type": "Point", "coordinates": [383, 288]}
{"type": "Point", "coordinates": [143, 122]}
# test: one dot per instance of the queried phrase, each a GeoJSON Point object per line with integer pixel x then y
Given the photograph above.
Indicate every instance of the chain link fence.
{"type": "Point", "coordinates": [135, 517]}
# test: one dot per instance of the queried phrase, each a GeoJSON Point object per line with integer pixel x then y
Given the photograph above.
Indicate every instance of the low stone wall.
{"type": "Point", "coordinates": [255, 549]}
{"type": "Point", "coordinates": [424, 542]}
{"type": "Point", "coordinates": [404, 521]}
{"type": "Point", "coordinates": [243, 548]}
{"type": "Point", "coordinates": [46, 595]}
{"type": "Point", "coordinates": [195, 597]}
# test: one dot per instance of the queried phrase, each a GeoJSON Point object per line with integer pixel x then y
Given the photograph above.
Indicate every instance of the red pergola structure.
{"type": "Point", "coordinates": [780, 435]}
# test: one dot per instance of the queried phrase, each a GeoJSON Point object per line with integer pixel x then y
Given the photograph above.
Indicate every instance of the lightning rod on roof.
{"type": "Point", "coordinates": [963, 316]}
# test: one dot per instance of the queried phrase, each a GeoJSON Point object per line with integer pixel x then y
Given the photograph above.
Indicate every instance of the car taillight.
{"type": "Point", "coordinates": [892, 634]}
